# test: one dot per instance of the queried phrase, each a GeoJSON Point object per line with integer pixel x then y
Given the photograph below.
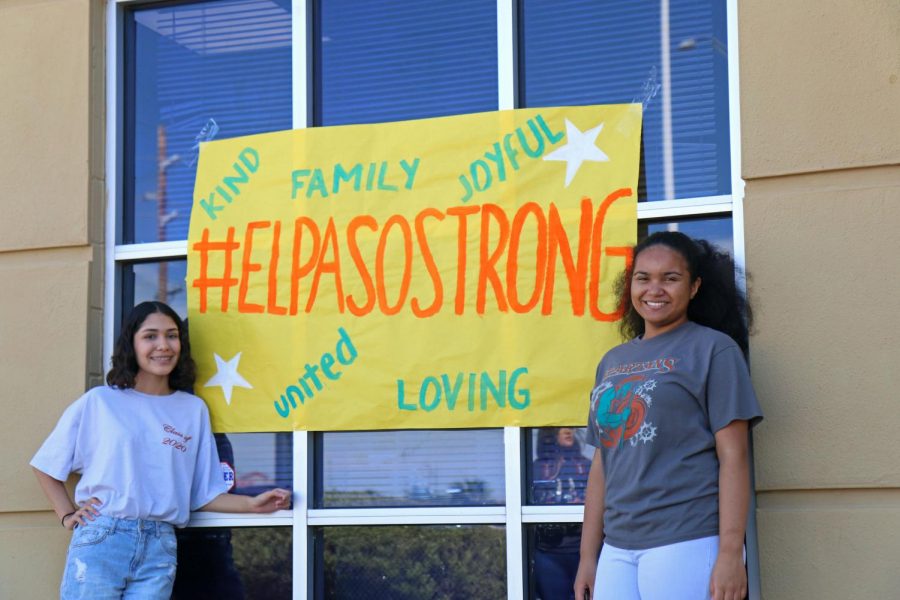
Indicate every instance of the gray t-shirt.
{"type": "Point", "coordinates": [654, 412]}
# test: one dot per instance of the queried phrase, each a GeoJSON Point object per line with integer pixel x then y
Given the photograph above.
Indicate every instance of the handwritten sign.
{"type": "Point", "coordinates": [441, 273]}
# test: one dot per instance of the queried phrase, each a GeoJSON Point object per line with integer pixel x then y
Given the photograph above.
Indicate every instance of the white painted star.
{"type": "Point", "coordinates": [580, 146]}
{"type": "Point", "coordinates": [227, 376]}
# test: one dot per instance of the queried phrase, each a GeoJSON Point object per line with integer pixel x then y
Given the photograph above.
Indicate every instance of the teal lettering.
{"type": "Point", "coordinates": [210, 206]}
{"type": "Point", "coordinates": [487, 175]}
{"type": "Point", "coordinates": [225, 195]}
{"type": "Point", "coordinates": [423, 391]}
{"type": "Point", "coordinates": [511, 153]}
{"type": "Point", "coordinates": [552, 137]}
{"type": "Point", "coordinates": [498, 392]}
{"type": "Point", "coordinates": [452, 393]}
{"type": "Point", "coordinates": [341, 175]}
{"type": "Point", "coordinates": [232, 182]}
{"type": "Point", "coordinates": [344, 343]}
{"type": "Point", "coordinates": [410, 170]}
{"type": "Point", "coordinates": [317, 184]}
{"type": "Point", "coordinates": [400, 397]}
{"type": "Point", "coordinates": [311, 374]}
{"type": "Point", "coordinates": [467, 186]}
{"type": "Point", "coordinates": [533, 153]}
{"type": "Point", "coordinates": [250, 158]}
{"type": "Point", "coordinates": [381, 184]}
{"type": "Point", "coordinates": [525, 393]}
{"type": "Point", "coordinates": [370, 177]}
{"type": "Point", "coordinates": [326, 364]}
{"type": "Point", "coordinates": [296, 178]}
{"type": "Point", "coordinates": [497, 157]}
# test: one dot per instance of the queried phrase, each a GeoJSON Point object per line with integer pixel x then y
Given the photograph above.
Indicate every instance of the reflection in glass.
{"type": "Point", "coordinates": [411, 468]}
{"type": "Point", "coordinates": [411, 562]}
{"type": "Point", "coordinates": [553, 560]}
{"type": "Point", "coordinates": [233, 564]}
{"type": "Point", "coordinates": [614, 53]}
{"type": "Point", "coordinates": [716, 230]}
{"type": "Point", "coordinates": [560, 461]}
{"type": "Point", "coordinates": [196, 72]}
{"type": "Point", "coordinates": [404, 59]}
{"type": "Point", "coordinates": [163, 281]}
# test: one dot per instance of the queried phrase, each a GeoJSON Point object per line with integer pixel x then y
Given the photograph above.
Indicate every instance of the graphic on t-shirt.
{"type": "Point", "coordinates": [621, 410]}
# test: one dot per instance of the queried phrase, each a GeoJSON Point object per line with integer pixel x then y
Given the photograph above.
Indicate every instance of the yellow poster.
{"type": "Point", "coordinates": [441, 273]}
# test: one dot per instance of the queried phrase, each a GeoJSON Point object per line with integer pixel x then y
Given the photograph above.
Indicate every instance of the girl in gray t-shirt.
{"type": "Point", "coordinates": [669, 486]}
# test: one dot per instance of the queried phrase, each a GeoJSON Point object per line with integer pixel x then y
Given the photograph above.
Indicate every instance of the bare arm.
{"type": "Point", "coordinates": [591, 529]}
{"type": "Point", "coordinates": [58, 495]}
{"type": "Point", "coordinates": [266, 502]}
{"type": "Point", "coordinates": [729, 578]}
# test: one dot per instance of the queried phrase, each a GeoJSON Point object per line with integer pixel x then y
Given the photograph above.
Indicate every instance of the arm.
{"type": "Point", "coordinates": [729, 577]}
{"type": "Point", "coordinates": [266, 502]}
{"type": "Point", "coordinates": [56, 493]}
{"type": "Point", "coordinates": [591, 529]}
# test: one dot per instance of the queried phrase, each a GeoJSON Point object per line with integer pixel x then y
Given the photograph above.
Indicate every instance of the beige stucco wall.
{"type": "Point", "coordinates": [51, 220]}
{"type": "Point", "coordinates": [820, 103]}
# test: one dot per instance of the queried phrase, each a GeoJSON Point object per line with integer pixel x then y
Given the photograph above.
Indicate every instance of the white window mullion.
{"type": "Point", "coordinates": [506, 54]}
{"type": "Point", "coordinates": [301, 79]}
{"type": "Point", "coordinates": [515, 548]}
{"type": "Point", "coordinates": [302, 561]}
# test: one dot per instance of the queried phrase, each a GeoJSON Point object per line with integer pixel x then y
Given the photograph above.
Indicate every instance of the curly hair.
{"type": "Point", "coordinates": [124, 360]}
{"type": "Point", "coordinates": [719, 303]}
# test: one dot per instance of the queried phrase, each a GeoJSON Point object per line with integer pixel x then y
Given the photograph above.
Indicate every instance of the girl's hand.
{"type": "Point", "coordinates": [88, 511]}
{"type": "Point", "coordinates": [270, 501]}
{"type": "Point", "coordinates": [729, 578]}
{"type": "Point", "coordinates": [584, 579]}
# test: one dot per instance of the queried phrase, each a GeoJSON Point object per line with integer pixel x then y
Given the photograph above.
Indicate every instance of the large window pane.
{"type": "Point", "coordinates": [410, 563]}
{"type": "Point", "coordinates": [560, 461]}
{"type": "Point", "coordinates": [553, 553]}
{"type": "Point", "coordinates": [196, 72]}
{"type": "Point", "coordinates": [411, 468]}
{"type": "Point", "coordinates": [584, 52]}
{"type": "Point", "coordinates": [233, 564]}
{"type": "Point", "coordinates": [404, 59]}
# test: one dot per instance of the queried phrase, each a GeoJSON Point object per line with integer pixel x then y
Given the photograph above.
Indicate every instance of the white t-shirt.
{"type": "Point", "coordinates": [142, 456]}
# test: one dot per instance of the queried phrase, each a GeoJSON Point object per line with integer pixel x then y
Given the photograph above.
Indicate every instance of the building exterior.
{"type": "Point", "coordinates": [795, 168]}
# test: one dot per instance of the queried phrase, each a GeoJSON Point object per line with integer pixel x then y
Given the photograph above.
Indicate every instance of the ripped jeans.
{"type": "Point", "coordinates": [120, 558]}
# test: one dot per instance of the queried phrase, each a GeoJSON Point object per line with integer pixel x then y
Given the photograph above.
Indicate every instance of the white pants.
{"type": "Point", "coordinates": [675, 572]}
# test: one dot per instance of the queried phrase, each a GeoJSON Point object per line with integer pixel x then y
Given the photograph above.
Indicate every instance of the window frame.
{"type": "Point", "coordinates": [514, 515]}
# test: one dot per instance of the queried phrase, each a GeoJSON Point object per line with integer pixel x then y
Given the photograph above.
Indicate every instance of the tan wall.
{"type": "Point", "coordinates": [51, 226]}
{"type": "Point", "coordinates": [820, 102]}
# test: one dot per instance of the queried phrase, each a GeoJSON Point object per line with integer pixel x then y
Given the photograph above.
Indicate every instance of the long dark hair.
{"type": "Point", "coordinates": [719, 303]}
{"type": "Point", "coordinates": [124, 361]}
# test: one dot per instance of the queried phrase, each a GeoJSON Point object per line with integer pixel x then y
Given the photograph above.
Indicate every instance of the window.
{"type": "Point", "coordinates": [383, 513]}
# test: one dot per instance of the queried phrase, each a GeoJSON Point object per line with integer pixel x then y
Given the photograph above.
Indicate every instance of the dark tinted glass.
{"type": "Point", "coordinates": [588, 52]}
{"type": "Point", "coordinates": [559, 465]}
{"type": "Point", "coordinates": [411, 468]}
{"type": "Point", "coordinates": [196, 72]}
{"type": "Point", "coordinates": [553, 553]}
{"type": "Point", "coordinates": [233, 564]}
{"type": "Point", "coordinates": [411, 562]}
{"type": "Point", "coordinates": [404, 59]}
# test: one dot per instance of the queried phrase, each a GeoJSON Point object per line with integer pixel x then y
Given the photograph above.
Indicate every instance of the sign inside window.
{"type": "Point", "coordinates": [440, 273]}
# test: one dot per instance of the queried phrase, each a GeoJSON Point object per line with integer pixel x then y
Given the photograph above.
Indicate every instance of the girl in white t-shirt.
{"type": "Point", "coordinates": [146, 454]}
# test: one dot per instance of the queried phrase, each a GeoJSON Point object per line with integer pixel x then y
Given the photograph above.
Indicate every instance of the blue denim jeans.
{"type": "Point", "coordinates": [120, 558]}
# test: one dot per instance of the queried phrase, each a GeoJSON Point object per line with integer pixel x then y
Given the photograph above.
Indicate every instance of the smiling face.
{"type": "Point", "coordinates": [157, 347]}
{"type": "Point", "coordinates": [565, 437]}
{"type": "Point", "coordinates": [661, 289]}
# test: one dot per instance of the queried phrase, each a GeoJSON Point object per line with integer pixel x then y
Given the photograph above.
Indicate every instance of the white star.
{"type": "Point", "coordinates": [227, 376]}
{"type": "Point", "coordinates": [579, 147]}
